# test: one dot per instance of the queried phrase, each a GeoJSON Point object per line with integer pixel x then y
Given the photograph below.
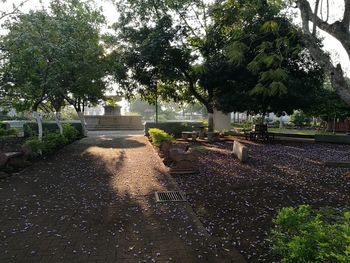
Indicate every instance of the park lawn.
{"type": "Point", "coordinates": [294, 131]}
{"type": "Point", "coordinates": [302, 132]}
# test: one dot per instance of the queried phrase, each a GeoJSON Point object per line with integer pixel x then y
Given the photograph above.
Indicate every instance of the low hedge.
{"type": "Point", "coordinates": [173, 128]}
{"type": "Point", "coordinates": [159, 137]}
{"type": "Point", "coordinates": [31, 128]}
{"type": "Point", "coordinates": [4, 125]}
{"type": "Point", "coordinates": [342, 139]}
{"type": "Point", "coordinates": [51, 141]}
{"type": "Point", "coordinates": [8, 132]}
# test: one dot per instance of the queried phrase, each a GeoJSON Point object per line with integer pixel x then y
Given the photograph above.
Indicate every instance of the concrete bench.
{"type": "Point", "coordinates": [186, 134]}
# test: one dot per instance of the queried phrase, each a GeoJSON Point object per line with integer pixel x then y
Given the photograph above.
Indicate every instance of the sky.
{"type": "Point", "coordinates": [333, 46]}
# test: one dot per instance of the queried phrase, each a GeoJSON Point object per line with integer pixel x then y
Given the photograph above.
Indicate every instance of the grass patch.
{"type": "Point", "coordinates": [302, 132]}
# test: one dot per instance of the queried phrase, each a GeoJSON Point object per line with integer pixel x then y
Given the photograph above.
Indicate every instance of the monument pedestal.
{"type": "Point", "coordinates": [112, 120]}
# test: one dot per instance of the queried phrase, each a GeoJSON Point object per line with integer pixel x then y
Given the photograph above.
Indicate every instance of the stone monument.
{"type": "Point", "coordinates": [112, 118]}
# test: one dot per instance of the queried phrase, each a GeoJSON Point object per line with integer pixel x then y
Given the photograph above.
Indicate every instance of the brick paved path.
{"type": "Point", "coordinates": [94, 202]}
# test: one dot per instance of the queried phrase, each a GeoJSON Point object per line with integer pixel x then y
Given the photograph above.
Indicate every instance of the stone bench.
{"type": "Point", "coordinates": [240, 151]}
{"type": "Point", "coordinates": [186, 134]}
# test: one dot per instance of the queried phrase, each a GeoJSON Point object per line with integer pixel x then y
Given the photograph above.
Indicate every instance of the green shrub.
{"type": "Point", "coordinates": [259, 120]}
{"type": "Point", "coordinates": [8, 132]}
{"type": "Point", "coordinates": [306, 235]}
{"type": "Point", "coordinates": [70, 132]}
{"type": "Point", "coordinates": [298, 118]}
{"type": "Point", "coordinates": [159, 136]}
{"type": "Point", "coordinates": [173, 128]}
{"type": "Point", "coordinates": [12, 131]}
{"type": "Point", "coordinates": [243, 124]}
{"type": "Point", "coordinates": [52, 141]}
{"type": "Point", "coordinates": [31, 128]}
{"type": "Point", "coordinates": [2, 132]}
{"type": "Point", "coordinates": [275, 124]}
{"type": "Point", "coordinates": [3, 125]}
{"type": "Point", "coordinates": [35, 145]}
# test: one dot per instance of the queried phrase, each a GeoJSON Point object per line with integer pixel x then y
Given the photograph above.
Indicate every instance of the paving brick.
{"type": "Point", "coordinates": [94, 202]}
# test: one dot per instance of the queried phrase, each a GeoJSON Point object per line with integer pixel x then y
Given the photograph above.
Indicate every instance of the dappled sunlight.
{"type": "Point", "coordinates": [128, 176]}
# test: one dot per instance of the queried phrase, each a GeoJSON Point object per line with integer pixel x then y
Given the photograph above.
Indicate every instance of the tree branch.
{"type": "Point", "coordinates": [346, 16]}
{"type": "Point", "coordinates": [336, 29]}
{"type": "Point", "coordinates": [315, 17]}
{"type": "Point", "coordinates": [193, 90]}
{"type": "Point", "coordinates": [337, 78]}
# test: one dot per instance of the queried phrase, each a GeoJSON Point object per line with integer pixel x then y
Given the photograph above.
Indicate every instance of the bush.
{"type": "Point", "coordinates": [298, 118]}
{"type": "Point", "coordinates": [275, 124]}
{"type": "Point", "coordinates": [70, 132]}
{"type": "Point", "coordinates": [8, 132]}
{"type": "Point", "coordinates": [259, 120]}
{"type": "Point", "coordinates": [50, 143]}
{"type": "Point", "coordinates": [306, 235]}
{"type": "Point", "coordinates": [31, 128]}
{"type": "Point", "coordinates": [159, 137]}
{"type": "Point", "coordinates": [243, 124]}
{"type": "Point", "coordinates": [4, 125]}
{"type": "Point", "coordinates": [35, 145]}
{"type": "Point", "coordinates": [173, 128]}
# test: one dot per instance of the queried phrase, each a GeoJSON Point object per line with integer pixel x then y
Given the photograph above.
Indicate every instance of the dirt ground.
{"type": "Point", "coordinates": [236, 202]}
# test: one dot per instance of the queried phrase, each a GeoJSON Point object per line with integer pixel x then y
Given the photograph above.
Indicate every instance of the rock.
{"type": "Point", "coordinates": [184, 162]}
{"type": "Point", "coordinates": [178, 154]}
{"type": "Point", "coordinates": [165, 149]}
{"type": "Point", "coordinates": [27, 151]}
{"type": "Point", "coordinates": [240, 151]}
{"type": "Point", "coordinates": [18, 163]}
{"type": "Point", "coordinates": [3, 159]}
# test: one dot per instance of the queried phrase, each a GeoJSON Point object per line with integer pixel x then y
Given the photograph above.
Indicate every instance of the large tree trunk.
{"type": "Point", "coordinates": [37, 117]}
{"type": "Point", "coordinates": [82, 121]}
{"type": "Point", "coordinates": [281, 122]}
{"type": "Point", "coordinates": [340, 31]}
{"type": "Point", "coordinates": [210, 121]}
{"type": "Point", "coordinates": [58, 122]}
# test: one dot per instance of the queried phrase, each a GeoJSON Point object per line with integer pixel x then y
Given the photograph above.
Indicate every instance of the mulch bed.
{"type": "Point", "coordinates": [236, 202]}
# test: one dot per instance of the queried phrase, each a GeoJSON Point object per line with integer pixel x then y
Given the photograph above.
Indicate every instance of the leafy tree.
{"type": "Point", "coordinates": [230, 55]}
{"type": "Point", "coordinates": [4, 14]}
{"type": "Point", "coordinates": [162, 53]}
{"type": "Point", "coordinates": [143, 108]}
{"type": "Point", "coordinates": [328, 105]}
{"type": "Point", "coordinates": [30, 56]}
{"type": "Point", "coordinates": [82, 65]}
{"type": "Point", "coordinates": [270, 69]}
{"type": "Point", "coordinates": [52, 56]}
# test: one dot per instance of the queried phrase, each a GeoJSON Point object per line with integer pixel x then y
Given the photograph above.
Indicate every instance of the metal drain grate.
{"type": "Point", "coordinates": [171, 196]}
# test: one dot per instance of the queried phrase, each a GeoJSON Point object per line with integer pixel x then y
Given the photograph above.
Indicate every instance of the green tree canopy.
{"type": "Point", "coordinates": [54, 54]}
{"type": "Point", "coordinates": [230, 55]}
